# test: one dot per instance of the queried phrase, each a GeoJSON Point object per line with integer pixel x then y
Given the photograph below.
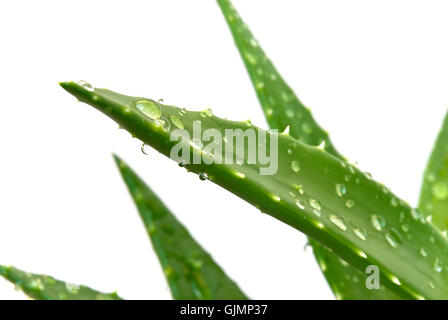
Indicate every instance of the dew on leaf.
{"type": "Point", "coordinates": [378, 222]}
{"type": "Point", "coordinates": [145, 148]}
{"type": "Point", "coordinates": [85, 85]}
{"type": "Point", "coordinates": [177, 122]}
{"type": "Point", "coordinates": [339, 222]}
{"type": "Point", "coordinates": [423, 252]}
{"type": "Point", "coordinates": [149, 108]}
{"type": "Point", "coordinates": [295, 166]}
{"type": "Point", "coordinates": [360, 233]}
{"type": "Point", "coordinates": [440, 190]}
{"type": "Point", "coordinates": [341, 190]}
{"type": "Point", "coordinates": [350, 203]}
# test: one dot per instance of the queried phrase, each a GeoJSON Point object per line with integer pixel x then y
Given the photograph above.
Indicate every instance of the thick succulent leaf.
{"type": "Point", "coordinates": [43, 287]}
{"type": "Point", "coordinates": [282, 108]}
{"type": "Point", "coordinates": [280, 105]}
{"type": "Point", "coordinates": [191, 272]}
{"type": "Point", "coordinates": [434, 193]}
{"type": "Point", "coordinates": [368, 225]}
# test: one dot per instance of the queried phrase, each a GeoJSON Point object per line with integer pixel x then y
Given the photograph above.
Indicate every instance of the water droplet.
{"type": "Point", "coordinates": [195, 263]}
{"type": "Point", "coordinates": [240, 175]}
{"type": "Point", "coordinates": [368, 175]}
{"type": "Point", "coordinates": [276, 198]}
{"type": "Point", "coordinates": [182, 163]}
{"type": "Point", "coordinates": [393, 238]}
{"type": "Point", "coordinates": [423, 252]}
{"type": "Point", "coordinates": [341, 190]}
{"type": "Point", "coordinates": [289, 151]}
{"type": "Point", "coordinates": [250, 58]}
{"type": "Point", "coordinates": [300, 204]}
{"type": "Point", "coordinates": [360, 233]}
{"type": "Point", "coordinates": [177, 122]}
{"type": "Point", "coordinates": [440, 190]}
{"type": "Point", "coordinates": [416, 214]}
{"type": "Point", "coordinates": [299, 188]}
{"type": "Point", "coordinates": [203, 176]}
{"type": "Point", "coordinates": [85, 85]}
{"type": "Point", "coordinates": [207, 113]}
{"type": "Point", "coordinates": [149, 108]}
{"type": "Point", "coordinates": [269, 112]}
{"type": "Point", "coordinates": [295, 166]}
{"type": "Point", "coordinates": [339, 222]}
{"type": "Point", "coordinates": [315, 204]}
{"type": "Point", "coordinates": [405, 227]}
{"type": "Point", "coordinates": [37, 284]}
{"type": "Point", "coordinates": [164, 123]}
{"type": "Point", "coordinates": [307, 128]}
{"type": "Point", "coordinates": [321, 146]}
{"type": "Point", "coordinates": [438, 265]}
{"type": "Point", "coordinates": [395, 280]}
{"type": "Point", "coordinates": [350, 203]}
{"type": "Point", "coordinates": [378, 222]}
{"type": "Point", "coordinates": [394, 202]}
{"type": "Point", "coordinates": [289, 113]}
{"type": "Point", "coordinates": [431, 285]}
{"type": "Point", "coordinates": [145, 148]}
{"type": "Point", "coordinates": [72, 288]}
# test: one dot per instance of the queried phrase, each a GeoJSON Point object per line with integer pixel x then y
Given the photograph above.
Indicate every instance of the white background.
{"type": "Point", "coordinates": [375, 74]}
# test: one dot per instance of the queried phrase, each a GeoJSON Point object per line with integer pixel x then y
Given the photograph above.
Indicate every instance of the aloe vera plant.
{"type": "Point", "coordinates": [190, 271]}
{"type": "Point", "coordinates": [352, 221]}
{"type": "Point", "coordinates": [284, 110]}
{"type": "Point", "coordinates": [43, 287]}
{"type": "Point", "coordinates": [362, 225]}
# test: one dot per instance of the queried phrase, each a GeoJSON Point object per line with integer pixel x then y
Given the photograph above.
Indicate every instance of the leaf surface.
{"type": "Point", "coordinates": [283, 109]}
{"type": "Point", "coordinates": [191, 272]}
{"type": "Point", "coordinates": [434, 193]}
{"type": "Point", "coordinates": [364, 227]}
{"type": "Point", "coordinates": [43, 287]}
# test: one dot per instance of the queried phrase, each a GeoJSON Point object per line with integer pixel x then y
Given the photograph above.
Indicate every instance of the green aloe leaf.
{"type": "Point", "coordinates": [283, 109]}
{"type": "Point", "coordinates": [368, 225]}
{"type": "Point", "coordinates": [191, 272]}
{"type": "Point", "coordinates": [43, 287]}
{"type": "Point", "coordinates": [434, 193]}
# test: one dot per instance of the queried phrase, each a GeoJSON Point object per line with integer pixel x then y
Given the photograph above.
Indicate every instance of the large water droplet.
{"type": "Point", "coordinates": [85, 85]}
{"type": "Point", "coordinates": [149, 108]}
{"type": "Point", "coordinates": [339, 222]}
{"type": "Point", "coordinates": [341, 190]}
{"type": "Point", "coordinates": [378, 222]}
{"type": "Point", "coordinates": [295, 166]}
{"type": "Point", "coordinates": [440, 190]}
